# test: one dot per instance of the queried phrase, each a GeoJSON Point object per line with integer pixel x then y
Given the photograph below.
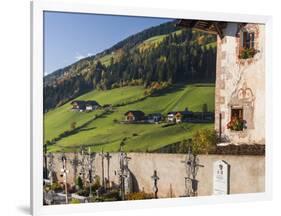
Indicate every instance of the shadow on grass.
{"type": "Point", "coordinates": [180, 87]}
{"type": "Point", "coordinates": [169, 90]}
{"type": "Point", "coordinates": [87, 129]}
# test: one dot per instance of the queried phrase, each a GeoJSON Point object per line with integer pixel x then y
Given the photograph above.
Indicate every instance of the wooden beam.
{"type": "Point", "coordinates": [218, 29]}
{"type": "Point", "coordinates": [212, 27]}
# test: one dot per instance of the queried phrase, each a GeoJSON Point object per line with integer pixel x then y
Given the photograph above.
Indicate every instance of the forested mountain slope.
{"type": "Point", "coordinates": [164, 53]}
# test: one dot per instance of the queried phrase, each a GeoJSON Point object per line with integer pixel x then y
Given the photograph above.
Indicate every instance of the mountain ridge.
{"type": "Point", "coordinates": [116, 46]}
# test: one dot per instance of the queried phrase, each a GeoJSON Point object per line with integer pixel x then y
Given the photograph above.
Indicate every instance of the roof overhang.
{"type": "Point", "coordinates": [212, 27]}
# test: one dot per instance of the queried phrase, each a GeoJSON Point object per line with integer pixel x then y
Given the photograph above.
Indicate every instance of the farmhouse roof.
{"type": "Point", "coordinates": [185, 112]}
{"type": "Point", "coordinates": [213, 27]}
{"type": "Point", "coordinates": [78, 102]}
{"type": "Point", "coordinates": [173, 113]}
{"type": "Point", "coordinates": [92, 103]}
{"type": "Point", "coordinates": [155, 114]}
{"type": "Point", "coordinates": [135, 113]}
{"type": "Point", "coordinates": [89, 102]}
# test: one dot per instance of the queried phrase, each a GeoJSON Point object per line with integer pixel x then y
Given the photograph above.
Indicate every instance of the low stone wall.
{"type": "Point", "coordinates": [247, 173]}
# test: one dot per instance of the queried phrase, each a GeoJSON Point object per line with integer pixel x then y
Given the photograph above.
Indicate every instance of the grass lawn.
{"type": "Point", "coordinates": [59, 120]}
{"type": "Point", "coordinates": [106, 133]}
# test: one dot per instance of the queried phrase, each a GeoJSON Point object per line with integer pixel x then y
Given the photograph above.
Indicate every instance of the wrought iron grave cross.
{"type": "Point", "coordinates": [192, 166]}
{"type": "Point", "coordinates": [64, 172]}
{"type": "Point", "coordinates": [155, 179]}
{"type": "Point", "coordinates": [108, 156]}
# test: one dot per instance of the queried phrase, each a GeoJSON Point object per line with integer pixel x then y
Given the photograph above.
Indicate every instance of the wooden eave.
{"type": "Point", "coordinates": [212, 27]}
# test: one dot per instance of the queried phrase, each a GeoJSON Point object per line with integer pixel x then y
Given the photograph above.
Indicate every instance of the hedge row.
{"type": "Point", "coordinates": [243, 149]}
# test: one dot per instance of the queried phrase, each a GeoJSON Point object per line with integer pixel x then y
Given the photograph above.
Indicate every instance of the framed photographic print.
{"type": "Point", "coordinates": [137, 108]}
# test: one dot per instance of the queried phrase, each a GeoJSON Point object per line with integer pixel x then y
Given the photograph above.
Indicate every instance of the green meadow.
{"type": "Point", "coordinates": [106, 132]}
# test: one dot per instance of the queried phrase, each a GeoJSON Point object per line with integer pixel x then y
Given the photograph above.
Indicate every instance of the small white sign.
{"type": "Point", "coordinates": [221, 178]}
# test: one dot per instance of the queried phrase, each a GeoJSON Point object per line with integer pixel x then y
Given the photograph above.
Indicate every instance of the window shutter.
{"type": "Point", "coordinates": [252, 40]}
{"type": "Point", "coordinates": [244, 39]}
{"type": "Point", "coordinates": [241, 38]}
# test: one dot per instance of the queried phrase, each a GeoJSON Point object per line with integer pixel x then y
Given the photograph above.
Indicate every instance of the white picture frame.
{"type": "Point", "coordinates": [37, 10]}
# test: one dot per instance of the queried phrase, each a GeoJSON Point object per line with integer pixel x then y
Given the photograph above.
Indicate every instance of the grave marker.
{"type": "Point", "coordinates": [221, 173]}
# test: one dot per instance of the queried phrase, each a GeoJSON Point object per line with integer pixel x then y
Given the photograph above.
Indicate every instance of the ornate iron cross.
{"type": "Point", "coordinates": [50, 166]}
{"type": "Point", "coordinates": [192, 166]}
{"type": "Point", "coordinates": [108, 156]}
{"type": "Point", "coordinates": [155, 179]}
{"type": "Point", "coordinates": [90, 169]}
{"type": "Point", "coordinates": [122, 172]}
{"type": "Point", "coordinates": [102, 155]}
{"type": "Point", "coordinates": [64, 172]}
{"type": "Point", "coordinates": [75, 162]}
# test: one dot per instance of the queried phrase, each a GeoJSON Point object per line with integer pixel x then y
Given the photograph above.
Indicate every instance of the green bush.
{"type": "Point", "coordinates": [56, 187]}
{"type": "Point", "coordinates": [246, 53]}
{"type": "Point", "coordinates": [79, 183]}
{"type": "Point", "coordinates": [85, 192]}
{"type": "Point", "coordinates": [46, 188]}
{"type": "Point", "coordinates": [74, 201]}
{"type": "Point", "coordinates": [115, 85]}
{"type": "Point", "coordinates": [204, 141]}
{"type": "Point", "coordinates": [97, 184]}
{"type": "Point", "coordinates": [111, 195]}
{"type": "Point", "coordinates": [139, 196]}
{"type": "Point", "coordinates": [204, 108]}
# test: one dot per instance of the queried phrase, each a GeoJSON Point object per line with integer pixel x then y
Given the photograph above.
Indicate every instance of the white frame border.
{"type": "Point", "coordinates": [84, 6]}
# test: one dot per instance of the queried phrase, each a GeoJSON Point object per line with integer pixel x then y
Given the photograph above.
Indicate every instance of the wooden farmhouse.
{"type": "Point", "coordinates": [154, 117]}
{"type": "Point", "coordinates": [240, 79]}
{"type": "Point", "coordinates": [175, 117]}
{"type": "Point", "coordinates": [92, 105]}
{"type": "Point", "coordinates": [171, 117]}
{"type": "Point", "coordinates": [134, 116]}
{"type": "Point", "coordinates": [78, 105]}
{"type": "Point", "coordinates": [81, 106]}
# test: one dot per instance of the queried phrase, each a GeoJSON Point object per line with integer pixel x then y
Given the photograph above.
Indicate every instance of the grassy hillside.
{"type": "Point", "coordinates": [107, 133]}
{"type": "Point", "coordinates": [59, 120]}
{"type": "Point", "coordinates": [154, 41]}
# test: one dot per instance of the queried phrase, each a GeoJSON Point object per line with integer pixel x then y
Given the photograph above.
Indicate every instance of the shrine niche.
{"type": "Point", "coordinates": [242, 106]}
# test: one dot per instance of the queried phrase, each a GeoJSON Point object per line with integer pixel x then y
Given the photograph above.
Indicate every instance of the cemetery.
{"type": "Point", "coordinates": [84, 176]}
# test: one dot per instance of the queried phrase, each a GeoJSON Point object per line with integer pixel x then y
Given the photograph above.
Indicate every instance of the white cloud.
{"type": "Point", "coordinates": [80, 56]}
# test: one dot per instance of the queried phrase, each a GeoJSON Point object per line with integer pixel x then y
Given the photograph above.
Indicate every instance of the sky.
{"type": "Point", "coordinates": [69, 37]}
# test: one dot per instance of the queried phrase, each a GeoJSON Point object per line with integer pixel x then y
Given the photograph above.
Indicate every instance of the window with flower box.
{"type": "Point", "coordinates": [247, 45]}
{"type": "Point", "coordinates": [236, 120]}
{"type": "Point", "coordinates": [248, 39]}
